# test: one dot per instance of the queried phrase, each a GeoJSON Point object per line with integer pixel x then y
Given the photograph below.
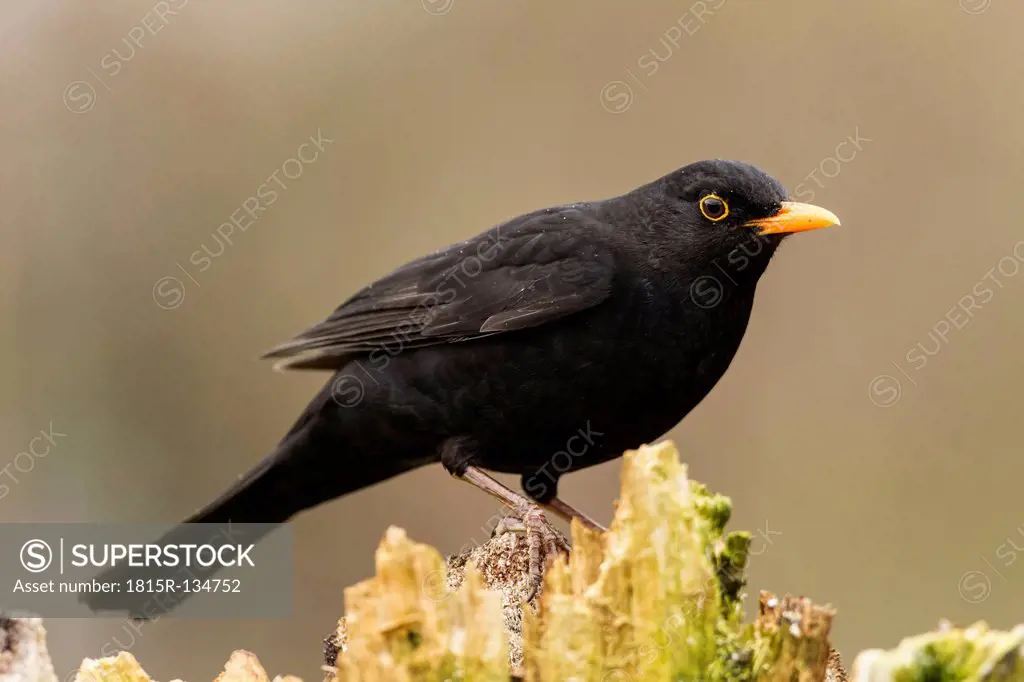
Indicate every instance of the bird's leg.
{"type": "Point", "coordinates": [543, 540]}
{"type": "Point", "coordinates": [564, 510]}
{"type": "Point", "coordinates": [559, 508]}
{"type": "Point", "coordinates": [545, 493]}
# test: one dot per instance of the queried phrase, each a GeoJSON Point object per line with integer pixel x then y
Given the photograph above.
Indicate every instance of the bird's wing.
{"type": "Point", "coordinates": [524, 273]}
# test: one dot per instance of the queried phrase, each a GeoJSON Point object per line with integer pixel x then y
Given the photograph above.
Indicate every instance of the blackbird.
{"type": "Point", "coordinates": [547, 344]}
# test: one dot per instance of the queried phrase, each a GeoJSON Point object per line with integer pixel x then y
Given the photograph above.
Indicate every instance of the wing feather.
{"type": "Point", "coordinates": [525, 273]}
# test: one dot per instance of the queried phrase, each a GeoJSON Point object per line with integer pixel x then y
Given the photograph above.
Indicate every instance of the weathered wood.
{"type": "Point", "coordinates": [949, 655]}
{"type": "Point", "coordinates": [405, 625]}
{"type": "Point", "coordinates": [655, 599]}
{"type": "Point", "coordinates": [797, 632]}
{"type": "Point", "coordinates": [23, 654]}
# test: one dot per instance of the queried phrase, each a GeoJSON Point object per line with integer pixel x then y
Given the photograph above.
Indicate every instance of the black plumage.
{"type": "Point", "coordinates": [609, 318]}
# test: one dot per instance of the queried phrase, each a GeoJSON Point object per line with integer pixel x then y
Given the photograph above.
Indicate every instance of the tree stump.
{"type": "Point", "coordinates": [655, 599]}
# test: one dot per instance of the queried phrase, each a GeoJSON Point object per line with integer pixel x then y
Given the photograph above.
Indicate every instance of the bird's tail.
{"type": "Point", "coordinates": [270, 492]}
{"type": "Point", "coordinates": [255, 498]}
{"type": "Point", "coordinates": [307, 467]}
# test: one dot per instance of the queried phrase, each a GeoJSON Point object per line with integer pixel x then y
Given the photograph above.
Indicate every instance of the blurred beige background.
{"type": "Point", "coordinates": [452, 115]}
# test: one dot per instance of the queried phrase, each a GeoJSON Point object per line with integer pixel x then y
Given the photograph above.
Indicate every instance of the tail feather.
{"type": "Point", "coordinates": [307, 468]}
{"type": "Point", "coordinates": [250, 500]}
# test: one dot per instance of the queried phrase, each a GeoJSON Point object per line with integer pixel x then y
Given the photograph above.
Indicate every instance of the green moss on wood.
{"type": "Point", "coordinates": [950, 655]}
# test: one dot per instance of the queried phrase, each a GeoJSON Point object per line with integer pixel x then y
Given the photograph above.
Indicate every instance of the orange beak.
{"type": "Point", "coordinates": [795, 217]}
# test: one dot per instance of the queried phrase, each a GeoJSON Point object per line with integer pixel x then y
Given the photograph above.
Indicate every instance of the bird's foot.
{"type": "Point", "coordinates": [543, 541]}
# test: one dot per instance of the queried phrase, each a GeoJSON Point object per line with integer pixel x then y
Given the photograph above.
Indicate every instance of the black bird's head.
{"type": "Point", "coordinates": [728, 215]}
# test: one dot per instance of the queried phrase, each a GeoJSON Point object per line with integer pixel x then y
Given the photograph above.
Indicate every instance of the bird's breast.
{"type": "Point", "coordinates": [626, 369]}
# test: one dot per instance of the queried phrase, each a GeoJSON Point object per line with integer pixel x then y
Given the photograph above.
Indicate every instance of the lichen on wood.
{"type": "Point", "coordinates": [645, 601]}
{"type": "Point", "coordinates": [655, 599]}
{"type": "Point", "coordinates": [948, 655]}
{"type": "Point", "coordinates": [404, 624]}
{"type": "Point", "coordinates": [243, 666]}
{"type": "Point", "coordinates": [123, 668]}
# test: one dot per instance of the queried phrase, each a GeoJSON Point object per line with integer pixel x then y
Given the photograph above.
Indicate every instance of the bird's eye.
{"type": "Point", "coordinates": [714, 207]}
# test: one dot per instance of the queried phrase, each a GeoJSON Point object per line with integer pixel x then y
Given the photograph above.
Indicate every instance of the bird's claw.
{"type": "Point", "coordinates": [508, 524]}
{"type": "Point", "coordinates": [543, 542]}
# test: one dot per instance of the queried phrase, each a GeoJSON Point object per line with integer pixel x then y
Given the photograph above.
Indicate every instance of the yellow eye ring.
{"type": "Point", "coordinates": [714, 207]}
